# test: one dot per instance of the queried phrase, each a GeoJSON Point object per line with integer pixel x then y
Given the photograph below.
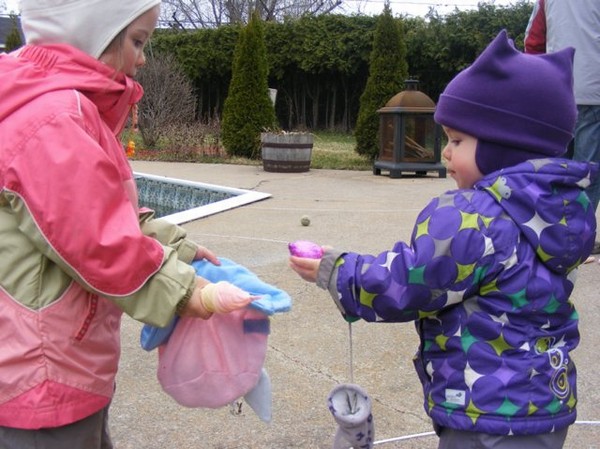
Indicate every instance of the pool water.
{"type": "Point", "coordinates": [180, 201]}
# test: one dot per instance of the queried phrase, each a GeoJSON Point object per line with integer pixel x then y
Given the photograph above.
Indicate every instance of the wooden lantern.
{"type": "Point", "coordinates": [409, 138]}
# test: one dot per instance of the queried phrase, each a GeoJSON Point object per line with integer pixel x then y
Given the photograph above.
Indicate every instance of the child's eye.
{"type": "Point", "coordinates": [455, 142]}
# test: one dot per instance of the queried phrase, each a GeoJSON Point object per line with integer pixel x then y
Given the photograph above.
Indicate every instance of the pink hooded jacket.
{"type": "Point", "coordinates": [74, 251]}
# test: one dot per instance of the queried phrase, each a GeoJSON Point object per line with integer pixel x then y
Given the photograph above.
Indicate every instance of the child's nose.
{"type": "Point", "coordinates": [141, 60]}
{"type": "Point", "coordinates": [446, 153]}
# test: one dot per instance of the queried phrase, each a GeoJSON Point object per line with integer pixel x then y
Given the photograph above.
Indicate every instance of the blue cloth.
{"type": "Point", "coordinates": [151, 336]}
{"type": "Point", "coordinates": [272, 299]}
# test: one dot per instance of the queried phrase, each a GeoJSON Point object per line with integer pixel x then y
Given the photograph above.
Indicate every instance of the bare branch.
{"type": "Point", "coordinates": [214, 13]}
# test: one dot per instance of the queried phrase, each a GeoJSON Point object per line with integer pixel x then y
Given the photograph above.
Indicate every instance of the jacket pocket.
{"type": "Point", "coordinates": [420, 368]}
{"type": "Point", "coordinates": [92, 309]}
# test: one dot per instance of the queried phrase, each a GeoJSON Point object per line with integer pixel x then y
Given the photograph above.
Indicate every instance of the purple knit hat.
{"type": "Point", "coordinates": [519, 106]}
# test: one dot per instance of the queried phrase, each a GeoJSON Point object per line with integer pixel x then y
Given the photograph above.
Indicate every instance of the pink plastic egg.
{"type": "Point", "coordinates": [304, 248]}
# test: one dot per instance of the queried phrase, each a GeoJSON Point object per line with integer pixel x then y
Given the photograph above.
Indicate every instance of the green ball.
{"type": "Point", "coordinates": [305, 220]}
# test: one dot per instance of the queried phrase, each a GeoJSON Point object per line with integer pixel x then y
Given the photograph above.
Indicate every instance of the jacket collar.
{"type": "Point", "coordinates": [46, 68]}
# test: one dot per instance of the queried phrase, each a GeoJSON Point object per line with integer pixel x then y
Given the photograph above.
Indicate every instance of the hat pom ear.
{"type": "Point", "coordinates": [494, 58]}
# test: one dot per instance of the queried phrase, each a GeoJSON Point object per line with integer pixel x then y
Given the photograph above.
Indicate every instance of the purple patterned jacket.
{"type": "Point", "coordinates": [487, 280]}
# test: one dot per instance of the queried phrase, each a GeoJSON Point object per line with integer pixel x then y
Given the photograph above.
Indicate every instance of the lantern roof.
{"type": "Point", "coordinates": [409, 100]}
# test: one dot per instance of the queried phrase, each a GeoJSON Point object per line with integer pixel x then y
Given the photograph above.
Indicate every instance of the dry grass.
{"type": "Point", "coordinates": [336, 151]}
{"type": "Point", "coordinates": [330, 150]}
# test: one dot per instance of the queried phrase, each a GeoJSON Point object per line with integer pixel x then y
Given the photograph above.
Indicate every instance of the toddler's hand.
{"type": "Point", "coordinates": [305, 259]}
{"type": "Point", "coordinates": [305, 267]}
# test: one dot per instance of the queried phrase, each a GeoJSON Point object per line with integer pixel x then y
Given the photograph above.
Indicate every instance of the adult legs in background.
{"type": "Point", "coordinates": [587, 148]}
{"type": "Point", "coordinates": [587, 144]}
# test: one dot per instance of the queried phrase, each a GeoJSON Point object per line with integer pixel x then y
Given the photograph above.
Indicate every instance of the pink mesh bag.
{"type": "Point", "coordinates": [211, 363]}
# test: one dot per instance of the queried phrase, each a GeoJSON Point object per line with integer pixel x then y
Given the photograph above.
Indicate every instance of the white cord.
{"type": "Point", "coordinates": [406, 437]}
{"type": "Point", "coordinates": [351, 355]}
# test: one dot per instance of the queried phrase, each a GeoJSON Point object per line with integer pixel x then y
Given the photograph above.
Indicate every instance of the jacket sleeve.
{"type": "Point", "coordinates": [411, 281]}
{"type": "Point", "coordinates": [535, 34]}
{"type": "Point", "coordinates": [82, 219]}
{"type": "Point", "coordinates": [168, 234]}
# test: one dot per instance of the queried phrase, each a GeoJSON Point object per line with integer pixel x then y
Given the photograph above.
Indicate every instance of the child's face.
{"type": "Point", "coordinates": [126, 53]}
{"type": "Point", "coordinates": [459, 154]}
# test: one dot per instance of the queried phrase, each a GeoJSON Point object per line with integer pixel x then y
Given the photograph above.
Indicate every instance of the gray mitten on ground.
{"type": "Point", "coordinates": [351, 409]}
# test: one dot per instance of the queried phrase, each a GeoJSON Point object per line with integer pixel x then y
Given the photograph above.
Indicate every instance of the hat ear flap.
{"type": "Point", "coordinates": [492, 156]}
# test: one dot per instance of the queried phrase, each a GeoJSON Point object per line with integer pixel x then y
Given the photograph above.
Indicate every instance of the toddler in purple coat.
{"type": "Point", "coordinates": [488, 273]}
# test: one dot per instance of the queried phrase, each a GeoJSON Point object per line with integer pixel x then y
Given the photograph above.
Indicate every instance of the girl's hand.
{"type": "Point", "coordinates": [305, 267]}
{"type": "Point", "coordinates": [195, 306]}
{"type": "Point", "coordinates": [204, 253]}
{"type": "Point", "coordinates": [224, 297]}
{"type": "Point", "coordinates": [219, 297]}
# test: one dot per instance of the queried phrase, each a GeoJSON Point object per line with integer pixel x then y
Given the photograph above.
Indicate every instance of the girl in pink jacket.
{"type": "Point", "coordinates": [75, 249]}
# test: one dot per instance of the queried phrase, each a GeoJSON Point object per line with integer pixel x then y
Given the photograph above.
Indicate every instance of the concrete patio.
{"type": "Point", "coordinates": [308, 350]}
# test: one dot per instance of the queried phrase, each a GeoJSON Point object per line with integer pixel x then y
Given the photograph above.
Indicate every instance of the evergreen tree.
{"type": "Point", "coordinates": [13, 39]}
{"type": "Point", "coordinates": [248, 109]}
{"type": "Point", "coordinates": [387, 71]}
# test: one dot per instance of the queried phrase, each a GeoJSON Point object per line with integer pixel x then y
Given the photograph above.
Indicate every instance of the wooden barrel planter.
{"type": "Point", "coordinates": [286, 152]}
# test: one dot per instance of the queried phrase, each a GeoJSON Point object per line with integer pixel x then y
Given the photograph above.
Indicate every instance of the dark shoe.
{"type": "Point", "coordinates": [596, 248]}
